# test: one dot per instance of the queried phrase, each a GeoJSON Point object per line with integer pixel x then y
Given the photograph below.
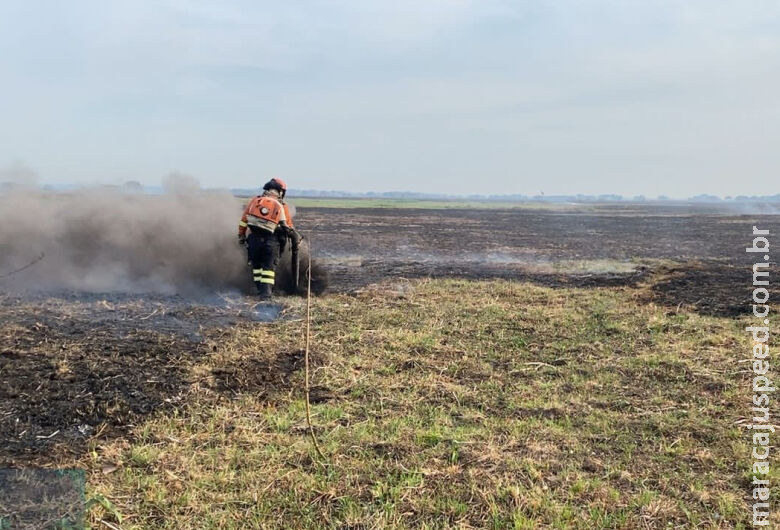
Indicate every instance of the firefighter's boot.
{"type": "Point", "coordinates": [264, 291]}
{"type": "Point", "coordinates": [264, 281]}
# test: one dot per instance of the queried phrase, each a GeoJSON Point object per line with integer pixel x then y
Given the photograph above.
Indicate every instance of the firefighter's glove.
{"type": "Point", "coordinates": [242, 240]}
{"type": "Point", "coordinates": [294, 235]}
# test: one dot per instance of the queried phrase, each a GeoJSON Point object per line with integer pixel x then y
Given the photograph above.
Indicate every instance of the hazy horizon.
{"type": "Point", "coordinates": [457, 97]}
{"type": "Point", "coordinates": [195, 185]}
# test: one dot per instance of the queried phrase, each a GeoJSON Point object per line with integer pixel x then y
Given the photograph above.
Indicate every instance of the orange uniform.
{"type": "Point", "coordinates": [271, 226]}
{"type": "Point", "coordinates": [288, 216]}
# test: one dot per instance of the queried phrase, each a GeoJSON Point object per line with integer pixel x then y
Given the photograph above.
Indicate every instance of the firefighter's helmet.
{"type": "Point", "coordinates": [276, 184]}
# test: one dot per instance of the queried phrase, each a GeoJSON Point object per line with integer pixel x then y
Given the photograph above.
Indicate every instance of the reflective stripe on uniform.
{"type": "Point", "coordinates": [242, 224]}
{"type": "Point", "coordinates": [264, 275]}
{"type": "Point", "coordinates": [259, 223]}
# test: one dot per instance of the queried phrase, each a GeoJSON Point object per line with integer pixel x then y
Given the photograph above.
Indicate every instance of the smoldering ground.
{"type": "Point", "coordinates": [114, 240]}
{"type": "Point", "coordinates": [106, 294]}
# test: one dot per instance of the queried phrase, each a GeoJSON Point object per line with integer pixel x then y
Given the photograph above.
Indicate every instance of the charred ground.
{"type": "Point", "coordinates": [75, 365]}
{"type": "Point", "coordinates": [695, 254]}
{"type": "Point", "coordinates": [80, 370]}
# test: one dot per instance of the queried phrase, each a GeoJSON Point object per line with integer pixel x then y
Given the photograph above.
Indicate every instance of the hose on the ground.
{"type": "Point", "coordinates": [307, 378]}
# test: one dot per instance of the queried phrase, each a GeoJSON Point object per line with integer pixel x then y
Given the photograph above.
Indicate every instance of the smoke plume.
{"type": "Point", "coordinates": [105, 240]}
{"type": "Point", "coordinates": [17, 176]}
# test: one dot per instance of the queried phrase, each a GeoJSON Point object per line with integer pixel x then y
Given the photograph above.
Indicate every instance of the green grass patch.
{"type": "Point", "coordinates": [482, 405]}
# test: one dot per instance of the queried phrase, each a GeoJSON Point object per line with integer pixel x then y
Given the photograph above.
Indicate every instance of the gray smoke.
{"type": "Point", "coordinates": [17, 176]}
{"type": "Point", "coordinates": [107, 240]}
{"type": "Point", "coordinates": [180, 184]}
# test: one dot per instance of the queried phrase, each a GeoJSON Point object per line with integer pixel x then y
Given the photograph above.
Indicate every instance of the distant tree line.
{"type": "Point", "coordinates": [137, 187]}
{"type": "Point", "coordinates": [609, 197]}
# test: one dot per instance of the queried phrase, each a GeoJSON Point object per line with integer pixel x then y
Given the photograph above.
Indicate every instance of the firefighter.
{"type": "Point", "coordinates": [270, 224]}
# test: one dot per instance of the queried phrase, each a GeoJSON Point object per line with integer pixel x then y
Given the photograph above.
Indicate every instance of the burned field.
{"type": "Point", "coordinates": [78, 366]}
{"type": "Point", "coordinates": [196, 399]}
{"type": "Point", "coordinates": [695, 253]}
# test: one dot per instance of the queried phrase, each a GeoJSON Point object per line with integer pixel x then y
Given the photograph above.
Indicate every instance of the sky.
{"type": "Point", "coordinates": [450, 96]}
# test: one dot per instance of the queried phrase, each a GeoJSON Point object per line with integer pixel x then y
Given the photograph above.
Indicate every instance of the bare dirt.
{"type": "Point", "coordinates": [76, 366]}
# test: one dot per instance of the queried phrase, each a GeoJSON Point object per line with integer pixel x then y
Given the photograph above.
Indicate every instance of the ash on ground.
{"type": "Point", "coordinates": [79, 365]}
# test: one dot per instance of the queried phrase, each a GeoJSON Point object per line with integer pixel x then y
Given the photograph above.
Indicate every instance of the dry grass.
{"type": "Point", "coordinates": [453, 404]}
